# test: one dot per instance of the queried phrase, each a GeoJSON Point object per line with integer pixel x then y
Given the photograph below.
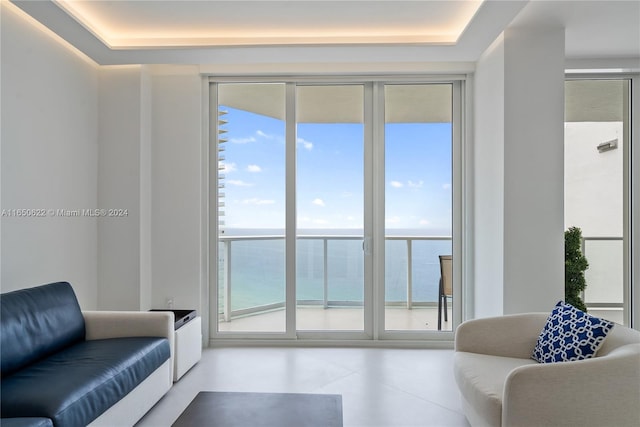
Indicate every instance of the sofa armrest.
{"type": "Point", "coordinates": [600, 391]}
{"type": "Point", "coordinates": [118, 324]}
{"type": "Point", "coordinates": [508, 336]}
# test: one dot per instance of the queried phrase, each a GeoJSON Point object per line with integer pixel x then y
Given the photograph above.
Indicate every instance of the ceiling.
{"type": "Point", "coordinates": [213, 31]}
{"type": "Point", "coordinates": [161, 23]}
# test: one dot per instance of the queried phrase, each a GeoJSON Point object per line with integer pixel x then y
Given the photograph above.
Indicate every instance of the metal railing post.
{"type": "Point", "coordinates": [409, 275]}
{"type": "Point", "coordinates": [325, 271]}
{"type": "Point", "coordinates": [227, 281]}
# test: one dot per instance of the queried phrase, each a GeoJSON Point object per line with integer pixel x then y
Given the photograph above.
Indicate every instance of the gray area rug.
{"type": "Point", "coordinates": [223, 409]}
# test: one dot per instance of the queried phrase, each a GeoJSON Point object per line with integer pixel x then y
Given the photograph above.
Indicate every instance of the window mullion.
{"type": "Point", "coordinates": [290, 222]}
{"type": "Point", "coordinates": [378, 203]}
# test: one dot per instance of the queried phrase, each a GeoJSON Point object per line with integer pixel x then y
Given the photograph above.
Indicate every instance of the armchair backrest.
{"type": "Point", "coordinates": [37, 322]}
{"type": "Point", "coordinates": [617, 337]}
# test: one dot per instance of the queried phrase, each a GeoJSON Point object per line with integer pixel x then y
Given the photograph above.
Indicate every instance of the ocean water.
{"type": "Point", "coordinates": [258, 267]}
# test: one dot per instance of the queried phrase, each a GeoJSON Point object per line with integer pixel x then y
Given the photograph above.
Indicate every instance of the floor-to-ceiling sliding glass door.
{"type": "Point", "coordinates": [598, 152]}
{"type": "Point", "coordinates": [418, 152]}
{"type": "Point", "coordinates": [330, 145]}
{"type": "Point", "coordinates": [249, 135]}
{"type": "Point", "coordinates": [335, 207]}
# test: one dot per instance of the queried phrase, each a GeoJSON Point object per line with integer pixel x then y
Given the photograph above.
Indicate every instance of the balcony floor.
{"type": "Point", "coordinates": [351, 319]}
{"type": "Point", "coordinates": [338, 319]}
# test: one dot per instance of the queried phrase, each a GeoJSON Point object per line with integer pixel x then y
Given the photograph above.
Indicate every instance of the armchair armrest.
{"type": "Point", "coordinates": [118, 324]}
{"type": "Point", "coordinates": [508, 336]}
{"type": "Point", "coordinates": [600, 391]}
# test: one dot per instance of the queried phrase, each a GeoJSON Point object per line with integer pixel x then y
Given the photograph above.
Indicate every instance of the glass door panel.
{"type": "Point", "coordinates": [251, 212]}
{"type": "Point", "coordinates": [418, 204]}
{"type": "Point", "coordinates": [596, 188]}
{"type": "Point", "coordinates": [334, 208]}
{"type": "Point", "coordinates": [330, 200]}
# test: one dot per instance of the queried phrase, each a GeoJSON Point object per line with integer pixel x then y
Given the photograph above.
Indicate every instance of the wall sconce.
{"type": "Point", "coordinates": [609, 145]}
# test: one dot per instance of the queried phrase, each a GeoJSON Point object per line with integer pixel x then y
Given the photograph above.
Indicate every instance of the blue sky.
{"type": "Point", "coordinates": [330, 174]}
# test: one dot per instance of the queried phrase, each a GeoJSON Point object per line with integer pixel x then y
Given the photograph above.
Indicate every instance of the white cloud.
{"type": "Point", "coordinates": [254, 168]}
{"type": "Point", "coordinates": [320, 221]}
{"type": "Point", "coordinates": [393, 220]}
{"type": "Point", "coordinates": [229, 167]}
{"type": "Point", "coordinates": [417, 184]}
{"type": "Point", "coordinates": [266, 135]}
{"type": "Point", "coordinates": [446, 186]}
{"type": "Point", "coordinates": [318, 202]}
{"type": "Point", "coordinates": [242, 140]}
{"type": "Point", "coordinates": [306, 144]}
{"type": "Point", "coordinates": [256, 201]}
{"type": "Point", "coordinates": [238, 183]}
{"type": "Point", "coordinates": [396, 184]}
{"type": "Point", "coordinates": [424, 222]}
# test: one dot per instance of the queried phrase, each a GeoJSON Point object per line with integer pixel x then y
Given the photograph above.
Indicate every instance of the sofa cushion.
{"type": "Point", "coordinates": [481, 379]}
{"type": "Point", "coordinates": [37, 322]}
{"type": "Point", "coordinates": [76, 385]}
{"type": "Point", "coordinates": [569, 335]}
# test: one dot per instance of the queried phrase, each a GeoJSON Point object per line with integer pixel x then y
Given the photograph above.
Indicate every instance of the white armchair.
{"type": "Point", "coordinates": [501, 386]}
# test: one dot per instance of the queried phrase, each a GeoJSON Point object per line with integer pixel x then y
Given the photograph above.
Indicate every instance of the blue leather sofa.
{"type": "Point", "coordinates": [64, 367]}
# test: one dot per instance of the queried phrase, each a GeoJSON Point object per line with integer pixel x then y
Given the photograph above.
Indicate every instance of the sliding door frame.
{"type": "Point", "coordinates": [458, 161]}
{"type": "Point", "coordinates": [631, 189]}
{"type": "Point", "coordinates": [374, 214]}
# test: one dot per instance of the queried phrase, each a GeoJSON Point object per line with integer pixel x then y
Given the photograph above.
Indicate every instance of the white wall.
{"type": "Point", "coordinates": [119, 247]}
{"type": "Point", "coordinates": [594, 180]}
{"type": "Point", "coordinates": [149, 164]}
{"type": "Point", "coordinates": [488, 182]}
{"type": "Point", "coordinates": [534, 169]}
{"type": "Point", "coordinates": [518, 167]}
{"type": "Point", "coordinates": [176, 187]}
{"type": "Point", "coordinates": [635, 207]}
{"type": "Point", "coordinates": [49, 98]}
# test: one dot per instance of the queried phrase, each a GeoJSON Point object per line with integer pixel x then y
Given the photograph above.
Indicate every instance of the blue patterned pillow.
{"type": "Point", "coordinates": [570, 334]}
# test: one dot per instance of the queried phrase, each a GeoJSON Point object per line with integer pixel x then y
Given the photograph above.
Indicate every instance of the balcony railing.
{"type": "Point", "coordinates": [605, 281]}
{"type": "Point", "coordinates": [408, 258]}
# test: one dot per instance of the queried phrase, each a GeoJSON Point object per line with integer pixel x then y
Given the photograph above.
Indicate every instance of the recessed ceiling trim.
{"type": "Point", "coordinates": [122, 34]}
{"type": "Point", "coordinates": [159, 43]}
{"type": "Point", "coordinates": [486, 25]}
{"type": "Point", "coordinates": [85, 23]}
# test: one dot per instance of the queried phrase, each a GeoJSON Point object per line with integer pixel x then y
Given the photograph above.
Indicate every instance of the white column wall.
{"type": "Point", "coordinates": [534, 169]}
{"type": "Point", "coordinates": [635, 206]}
{"type": "Point", "coordinates": [488, 182]}
{"type": "Point", "coordinates": [150, 145]}
{"type": "Point", "coordinates": [119, 176]}
{"type": "Point", "coordinates": [146, 120]}
{"type": "Point", "coordinates": [519, 175]}
{"type": "Point", "coordinates": [176, 187]}
{"type": "Point", "coordinates": [49, 98]}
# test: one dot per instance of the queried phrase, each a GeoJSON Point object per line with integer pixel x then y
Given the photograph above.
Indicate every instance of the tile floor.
{"type": "Point", "coordinates": [379, 387]}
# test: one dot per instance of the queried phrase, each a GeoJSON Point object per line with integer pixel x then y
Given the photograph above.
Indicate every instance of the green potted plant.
{"type": "Point", "coordinates": [574, 266]}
